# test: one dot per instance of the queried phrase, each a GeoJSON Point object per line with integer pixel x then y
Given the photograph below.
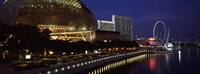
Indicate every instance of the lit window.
{"type": "Point", "coordinates": [62, 69]}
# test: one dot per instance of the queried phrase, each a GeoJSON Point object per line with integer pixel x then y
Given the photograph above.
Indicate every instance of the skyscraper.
{"type": "Point", "coordinates": [122, 24]}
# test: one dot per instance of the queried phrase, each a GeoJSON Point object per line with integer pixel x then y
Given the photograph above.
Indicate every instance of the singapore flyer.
{"type": "Point", "coordinates": [155, 30]}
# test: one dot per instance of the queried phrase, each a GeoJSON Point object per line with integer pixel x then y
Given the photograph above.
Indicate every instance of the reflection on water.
{"type": "Point", "coordinates": [116, 64]}
{"type": "Point", "coordinates": [198, 53]}
{"type": "Point", "coordinates": [152, 64]}
{"type": "Point", "coordinates": [169, 49]}
{"type": "Point", "coordinates": [188, 53]}
{"type": "Point", "coordinates": [180, 61]}
{"type": "Point", "coordinates": [179, 56]}
{"type": "Point", "coordinates": [157, 64]}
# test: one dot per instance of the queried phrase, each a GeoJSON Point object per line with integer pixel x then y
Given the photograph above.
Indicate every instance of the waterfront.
{"type": "Point", "coordinates": [180, 61]}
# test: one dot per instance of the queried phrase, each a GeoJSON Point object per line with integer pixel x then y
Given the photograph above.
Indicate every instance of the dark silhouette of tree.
{"type": "Point", "coordinates": [116, 43]}
{"type": "Point", "coordinates": [30, 37]}
{"type": "Point", "coordinates": [46, 34]}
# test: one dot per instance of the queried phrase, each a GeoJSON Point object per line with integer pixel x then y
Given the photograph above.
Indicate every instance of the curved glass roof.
{"type": "Point", "coordinates": [57, 15]}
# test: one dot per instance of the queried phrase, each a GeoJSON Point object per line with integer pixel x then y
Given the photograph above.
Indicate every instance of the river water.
{"type": "Point", "coordinates": [180, 61]}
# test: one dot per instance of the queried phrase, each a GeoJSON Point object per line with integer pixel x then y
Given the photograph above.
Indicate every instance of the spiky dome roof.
{"type": "Point", "coordinates": [68, 15]}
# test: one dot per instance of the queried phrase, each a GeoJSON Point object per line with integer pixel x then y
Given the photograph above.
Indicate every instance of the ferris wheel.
{"type": "Point", "coordinates": [155, 29]}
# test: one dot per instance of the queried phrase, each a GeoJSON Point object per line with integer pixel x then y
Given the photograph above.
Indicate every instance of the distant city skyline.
{"type": "Point", "coordinates": [181, 15]}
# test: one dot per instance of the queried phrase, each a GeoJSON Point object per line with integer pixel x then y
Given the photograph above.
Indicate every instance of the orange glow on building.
{"type": "Point", "coordinates": [152, 39]}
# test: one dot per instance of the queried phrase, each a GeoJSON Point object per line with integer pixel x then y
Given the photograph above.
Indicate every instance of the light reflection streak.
{"type": "Point", "coordinates": [99, 70]}
{"type": "Point", "coordinates": [116, 64]}
{"type": "Point", "coordinates": [167, 58]}
{"type": "Point", "coordinates": [188, 51]}
{"type": "Point", "coordinates": [152, 64]}
{"type": "Point", "coordinates": [198, 54]}
{"type": "Point", "coordinates": [92, 72]}
{"type": "Point", "coordinates": [95, 72]}
{"type": "Point", "coordinates": [179, 56]}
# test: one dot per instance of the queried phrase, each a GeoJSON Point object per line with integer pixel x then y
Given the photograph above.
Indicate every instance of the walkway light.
{"type": "Point", "coordinates": [86, 52]}
{"type": "Point", "coordinates": [72, 52]}
{"type": "Point", "coordinates": [68, 67]}
{"type": "Point", "coordinates": [64, 53]}
{"type": "Point", "coordinates": [105, 41]}
{"type": "Point", "coordinates": [56, 70]}
{"type": "Point", "coordinates": [95, 51]}
{"type": "Point", "coordinates": [63, 69]}
{"type": "Point", "coordinates": [51, 52]}
{"type": "Point", "coordinates": [49, 72]}
{"type": "Point", "coordinates": [28, 57]}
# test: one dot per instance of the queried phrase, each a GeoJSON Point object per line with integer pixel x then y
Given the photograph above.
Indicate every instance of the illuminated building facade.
{"type": "Point", "coordinates": [122, 24]}
{"type": "Point", "coordinates": [106, 25]}
{"type": "Point", "coordinates": [56, 15]}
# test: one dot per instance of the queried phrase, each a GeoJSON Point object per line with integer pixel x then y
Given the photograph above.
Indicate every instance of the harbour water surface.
{"type": "Point", "coordinates": [180, 61]}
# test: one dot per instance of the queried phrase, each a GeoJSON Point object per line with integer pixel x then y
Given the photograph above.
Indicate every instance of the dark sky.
{"type": "Point", "coordinates": [183, 16]}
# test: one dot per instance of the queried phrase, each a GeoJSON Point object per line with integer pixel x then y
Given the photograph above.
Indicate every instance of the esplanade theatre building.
{"type": "Point", "coordinates": [66, 19]}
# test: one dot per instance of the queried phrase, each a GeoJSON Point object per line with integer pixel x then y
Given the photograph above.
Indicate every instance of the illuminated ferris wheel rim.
{"type": "Point", "coordinates": [154, 30]}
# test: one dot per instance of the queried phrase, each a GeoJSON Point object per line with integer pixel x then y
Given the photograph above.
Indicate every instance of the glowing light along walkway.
{"type": "Point", "coordinates": [103, 69]}
{"type": "Point", "coordinates": [116, 64]}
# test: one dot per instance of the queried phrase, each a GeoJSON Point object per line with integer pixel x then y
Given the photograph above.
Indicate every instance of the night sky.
{"type": "Point", "coordinates": [183, 16]}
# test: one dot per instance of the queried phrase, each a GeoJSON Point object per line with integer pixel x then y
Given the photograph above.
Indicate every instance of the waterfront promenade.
{"type": "Point", "coordinates": [78, 66]}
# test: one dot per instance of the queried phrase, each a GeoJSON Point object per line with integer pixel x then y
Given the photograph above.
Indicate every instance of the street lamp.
{"type": "Point", "coordinates": [72, 53]}
{"type": "Point", "coordinates": [4, 54]}
{"type": "Point", "coordinates": [28, 57]}
{"type": "Point", "coordinates": [51, 52]}
{"type": "Point", "coordinates": [64, 53]}
{"type": "Point", "coordinates": [86, 52]}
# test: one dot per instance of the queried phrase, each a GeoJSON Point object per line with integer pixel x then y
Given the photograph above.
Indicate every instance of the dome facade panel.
{"type": "Point", "coordinates": [57, 15]}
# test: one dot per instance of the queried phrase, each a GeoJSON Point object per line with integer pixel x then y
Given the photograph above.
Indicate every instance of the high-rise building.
{"type": "Point", "coordinates": [106, 25]}
{"type": "Point", "coordinates": [68, 16]}
{"type": "Point", "coordinates": [122, 24]}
